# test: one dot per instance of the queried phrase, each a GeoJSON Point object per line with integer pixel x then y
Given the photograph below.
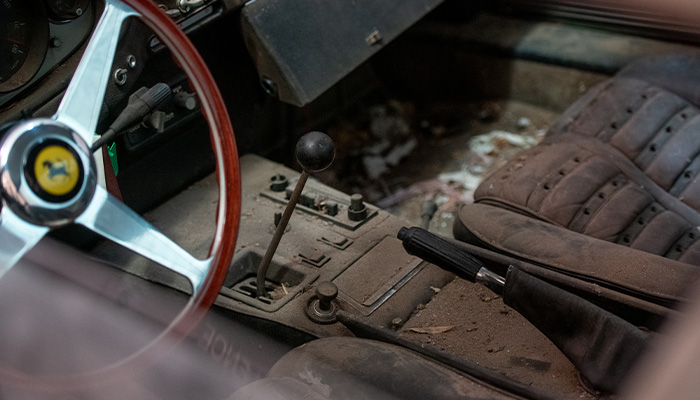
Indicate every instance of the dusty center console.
{"type": "Point", "coordinates": [332, 237]}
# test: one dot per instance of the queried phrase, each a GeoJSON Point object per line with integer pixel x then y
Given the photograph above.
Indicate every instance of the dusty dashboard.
{"type": "Point", "coordinates": [42, 42]}
{"type": "Point", "coordinates": [37, 36]}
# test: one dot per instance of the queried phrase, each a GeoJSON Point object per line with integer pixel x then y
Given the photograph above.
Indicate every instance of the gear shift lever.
{"type": "Point", "coordinates": [315, 152]}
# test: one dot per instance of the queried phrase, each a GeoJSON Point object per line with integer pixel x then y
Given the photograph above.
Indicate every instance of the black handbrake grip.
{"type": "Point", "coordinates": [448, 256]}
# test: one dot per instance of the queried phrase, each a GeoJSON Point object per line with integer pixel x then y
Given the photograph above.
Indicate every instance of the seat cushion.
{"type": "Point", "coordinates": [677, 73]}
{"type": "Point", "coordinates": [618, 169]}
{"type": "Point", "coordinates": [352, 368]}
{"type": "Point", "coordinates": [657, 130]}
{"type": "Point", "coordinates": [575, 183]}
{"type": "Point", "coordinates": [654, 279]}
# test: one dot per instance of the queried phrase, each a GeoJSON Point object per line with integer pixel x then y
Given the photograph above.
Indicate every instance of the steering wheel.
{"type": "Point", "coordinates": [48, 179]}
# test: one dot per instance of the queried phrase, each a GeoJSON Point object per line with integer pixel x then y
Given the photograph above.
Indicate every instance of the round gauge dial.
{"type": "Point", "coordinates": [23, 41]}
{"type": "Point", "coordinates": [66, 9]}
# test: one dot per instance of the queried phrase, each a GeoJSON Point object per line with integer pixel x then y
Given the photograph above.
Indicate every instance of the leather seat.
{"type": "Point", "coordinates": [348, 368]}
{"type": "Point", "coordinates": [611, 196]}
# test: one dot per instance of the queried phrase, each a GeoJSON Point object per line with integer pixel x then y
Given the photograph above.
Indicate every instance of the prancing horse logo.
{"type": "Point", "coordinates": [56, 168]}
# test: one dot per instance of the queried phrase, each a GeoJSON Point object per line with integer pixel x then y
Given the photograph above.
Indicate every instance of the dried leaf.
{"type": "Point", "coordinates": [431, 330]}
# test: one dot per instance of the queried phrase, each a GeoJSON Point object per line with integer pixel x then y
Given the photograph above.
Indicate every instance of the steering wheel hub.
{"type": "Point", "coordinates": [48, 175]}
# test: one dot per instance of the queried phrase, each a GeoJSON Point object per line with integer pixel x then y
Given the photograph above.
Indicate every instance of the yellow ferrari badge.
{"type": "Point", "coordinates": [56, 170]}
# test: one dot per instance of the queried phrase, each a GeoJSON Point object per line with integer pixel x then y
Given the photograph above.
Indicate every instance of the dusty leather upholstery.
{"type": "Point", "coordinates": [620, 166]}
{"type": "Point", "coordinates": [348, 368]}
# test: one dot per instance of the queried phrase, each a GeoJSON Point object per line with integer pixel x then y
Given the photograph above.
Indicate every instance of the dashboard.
{"type": "Point", "coordinates": [36, 36]}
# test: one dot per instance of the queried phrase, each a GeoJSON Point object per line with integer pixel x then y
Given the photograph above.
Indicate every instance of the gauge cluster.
{"type": "Point", "coordinates": [36, 36]}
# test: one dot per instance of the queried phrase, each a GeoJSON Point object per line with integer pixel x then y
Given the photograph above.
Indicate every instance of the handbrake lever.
{"type": "Point", "coordinates": [449, 256]}
{"type": "Point", "coordinates": [601, 345]}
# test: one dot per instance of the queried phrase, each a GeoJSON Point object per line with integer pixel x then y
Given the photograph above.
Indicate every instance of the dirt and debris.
{"type": "Point", "coordinates": [432, 330]}
{"type": "Point", "coordinates": [280, 291]}
{"type": "Point", "coordinates": [399, 154]}
{"type": "Point", "coordinates": [496, 142]}
{"type": "Point", "coordinates": [523, 123]}
{"type": "Point", "coordinates": [486, 298]}
{"type": "Point", "coordinates": [491, 334]}
{"type": "Point", "coordinates": [496, 349]}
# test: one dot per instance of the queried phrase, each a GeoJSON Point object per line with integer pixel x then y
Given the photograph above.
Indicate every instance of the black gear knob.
{"type": "Point", "coordinates": [315, 151]}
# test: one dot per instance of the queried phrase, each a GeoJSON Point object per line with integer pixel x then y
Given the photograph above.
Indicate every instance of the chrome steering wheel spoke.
{"type": "Point", "coordinates": [52, 147]}
{"type": "Point", "coordinates": [17, 237]}
{"type": "Point", "coordinates": [80, 110]}
{"type": "Point", "coordinates": [81, 105]}
{"type": "Point", "coordinates": [110, 218]}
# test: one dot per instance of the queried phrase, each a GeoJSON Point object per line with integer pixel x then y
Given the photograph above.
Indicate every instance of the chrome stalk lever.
{"type": "Point", "coordinates": [314, 152]}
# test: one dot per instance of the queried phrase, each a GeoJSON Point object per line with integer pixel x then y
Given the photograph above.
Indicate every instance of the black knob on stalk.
{"type": "Point", "coordinates": [321, 308]}
{"type": "Point", "coordinates": [326, 292]}
{"type": "Point", "coordinates": [315, 152]}
{"type": "Point", "coordinates": [140, 103]}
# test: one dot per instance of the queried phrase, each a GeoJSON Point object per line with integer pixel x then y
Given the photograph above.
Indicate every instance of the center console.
{"type": "Point", "coordinates": [332, 237]}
